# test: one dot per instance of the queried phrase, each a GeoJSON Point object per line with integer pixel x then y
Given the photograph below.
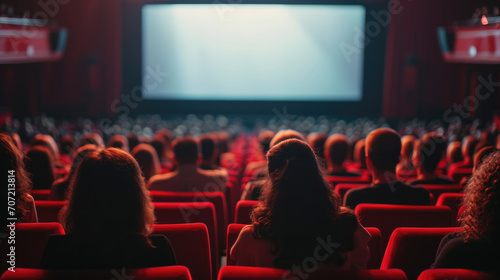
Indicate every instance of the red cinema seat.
{"type": "Point", "coordinates": [216, 198]}
{"type": "Point", "coordinates": [334, 180]}
{"type": "Point", "coordinates": [40, 194]}
{"type": "Point", "coordinates": [30, 239]}
{"type": "Point", "coordinates": [455, 274]}
{"type": "Point", "coordinates": [389, 217]}
{"type": "Point", "coordinates": [460, 211]}
{"type": "Point", "coordinates": [342, 189]}
{"type": "Point", "coordinates": [175, 272]}
{"type": "Point", "coordinates": [437, 190]}
{"type": "Point", "coordinates": [191, 246]}
{"type": "Point", "coordinates": [243, 210]}
{"type": "Point", "coordinates": [457, 174]}
{"type": "Point", "coordinates": [48, 211]}
{"type": "Point", "coordinates": [191, 212]}
{"type": "Point", "coordinates": [261, 273]}
{"type": "Point", "coordinates": [452, 200]}
{"type": "Point", "coordinates": [413, 250]}
{"type": "Point", "coordinates": [375, 244]}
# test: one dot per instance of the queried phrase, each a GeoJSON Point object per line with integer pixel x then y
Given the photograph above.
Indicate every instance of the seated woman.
{"type": "Point", "coordinates": [298, 214]}
{"type": "Point", "coordinates": [108, 219]}
{"type": "Point", "coordinates": [477, 245]}
{"type": "Point", "coordinates": [12, 165]}
{"type": "Point", "coordinates": [147, 158]}
{"type": "Point", "coordinates": [40, 164]}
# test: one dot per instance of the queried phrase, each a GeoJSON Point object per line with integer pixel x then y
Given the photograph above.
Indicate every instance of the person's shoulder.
{"type": "Point", "coordinates": [158, 181]}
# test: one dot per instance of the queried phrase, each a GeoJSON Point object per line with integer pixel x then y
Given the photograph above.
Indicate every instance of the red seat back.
{"type": "Point", "coordinates": [457, 174]}
{"type": "Point", "coordinates": [375, 244]}
{"type": "Point", "coordinates": [191, 212]}
{"type": "Point", "coordinates": [48, 211]}
{"type": "Point", "coordinates": [191, 246]}
{"type": "Point", "coordinates": [455, 274]}
{"type": "Point", "coordinates": [413, 249]}
{"type": "Point", "coordinates": [452, 200]}
{"type": "Point", "coordinates": [334, 180]}
{"type": "Point", "coordinates": [175, 272]}
{"type": "Point", "coordinates": [216, 198]}
{"type": "Point", "coordinates": [389, 217]}
{"type": "Point", "coordinates": [243, 210]}
{"type": "Point", "coordinates": [437, 190]}
{"type": "Point", "coordinates": [40, 194]}
{"type": "Point", "coordinates": [342, 189]}
{"type": "Point", "coordinates": [30, 239]}
{"type": "Point", "coordinates": [261, 273]}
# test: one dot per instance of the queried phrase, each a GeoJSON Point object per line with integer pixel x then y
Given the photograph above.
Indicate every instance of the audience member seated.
{"type": "Point", "coordinates": [91, 138]}
{"type": "Point", "coordinates": [336, 150]}
{"type": "Point", "coordinates": [468, 149]}
{"type": "Point", "coordinates": [209, 145]}
{"type": "Point", "coordinates": [146, 157]}
{"type": "Point", "coordinates": [132, 140]}
{"type": "Point", "coordinates": [118, 141]}
{"type": "Point", "coordinates": [453, 153]}
{"type": "Point", "coordinates": [257, 168]}
{"type": "Point", "coordinates": [40, 164]}
{"type": "Point", "coordinates": [477, 246]}
{"type": "Point", "coordinates": [426, 157]}
{"type": "Point", "coordinates": [383, 148]}
{"type": "Point", "coordinates": [253, 189]}
{"type": "Point", "coordinates": [59, 190]}
{"type": "Point", "coordinates": [188, 177]}
{"type": "Point", "coordinates": [405, 165]}
{"type": "Point", "coordinates": [108, 219]}
{"type": "Point", "coordinates": [66, 148]}
{"type": "Point", "coordinates": [317, 142]}
{"type": "Point", "coordinates": [12, 163]}
{"type": "Point", "coordinates": [299, 209]}
{"type": "Point", "coordinates": [359, 163]}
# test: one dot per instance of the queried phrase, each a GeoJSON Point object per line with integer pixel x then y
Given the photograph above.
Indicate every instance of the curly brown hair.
{"type": "Point", "coordinates": [298, 206]}
{"type": "Point", "coordinates": [481, 218]}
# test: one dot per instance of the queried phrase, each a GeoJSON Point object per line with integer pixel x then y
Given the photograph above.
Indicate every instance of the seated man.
{"type": "Point", "coordinates": [209, 145]}
{"type": "Point", "coordinates": [383, 147]}
{"type": "Point", "coordinates": [468, 149]}
{"type": "Point", "coordinates": [188, 177]}
{"type": "Point", "coordinates": [336, 150]}
{"type": "Point", "coordinates": [426, 157]}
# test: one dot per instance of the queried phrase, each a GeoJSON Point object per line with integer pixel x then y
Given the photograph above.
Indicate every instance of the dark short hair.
{"type": "Point", "coordinates": [430, 150]}
{"type": "Point", "coordinates": [185, 150]}
{"type": "Point", "coordinates": [383, 148]}
{"type": "Point", "coordinates": [337, 148]}
{"type": "Point", "coordinates": [209, 146]}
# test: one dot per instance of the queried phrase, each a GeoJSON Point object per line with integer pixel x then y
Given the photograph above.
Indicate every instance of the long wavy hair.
{"type": "Point", "coordinates": [298, 206]}
{"type": "Point", "coordinates": [13, 159]}
{"type": "Point", "coordinates": [481, 218]}
{"type": "Point", "coordinates": [108, 199]}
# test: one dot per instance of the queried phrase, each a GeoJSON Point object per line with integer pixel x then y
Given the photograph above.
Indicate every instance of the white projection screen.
{"type": "Point", "coordinates": [263, 52]}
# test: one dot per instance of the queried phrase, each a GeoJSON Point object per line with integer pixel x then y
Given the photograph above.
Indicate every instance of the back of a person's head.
{"type": "Point", "coordinates": [146, 157]}
{"type": "Point", "coordinates": [383, 148]}
{"type": "Point", "coordinates": [12, 159]}
{"type": "Point", "coordinates": [67, 144]}
{"type": "Point", "coordinates": [317, 143]}
{"type": "Point", "coordinates": [265, 137]}
{"type": "Point", "coordinates": [429, 151]}
{"type": "Point", "coordinates": [407, 143]}
{"type": "Point", "coordinates": [118, 141]}
{"type": "Point", "coordinates": [283, 135]}
{"type": "Point", "coordinates": [469, 146]}
{"type": "Point", "coordinates": [298, 206]}
{"type": "Point", "coordinates": [223, 139]}
{"type": "Point", "coordinates": [481, 218]}
{"type": "Point", "coordinates": [40, 164]}
{"type": "Point", "coordinates": [159, 147]}
{"type": "Point", "coordinates": [209, 145]}
{"type": "Point", "coordinates": [336, 149]}
{"type": "Point", "coordinates": [454, 152]}
{"type": "Point", "coordinates": [133, 140]}
{"type": "Point", "coordinates": [108, 198]}
{"type": "Point", "coordinates": [359, 153]}
{"type": "Point", "coordinates": [48, 142]}
{"type": "Point", "coordinates": [481, 154]}
{"type": "Point", "coordinates": [91, 138]}
{"type": "Point", "coordinates": [185, 150]}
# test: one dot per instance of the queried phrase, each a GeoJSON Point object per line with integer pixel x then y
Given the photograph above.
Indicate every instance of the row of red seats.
{"type": "Point", "coordinates": [411, 250]}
